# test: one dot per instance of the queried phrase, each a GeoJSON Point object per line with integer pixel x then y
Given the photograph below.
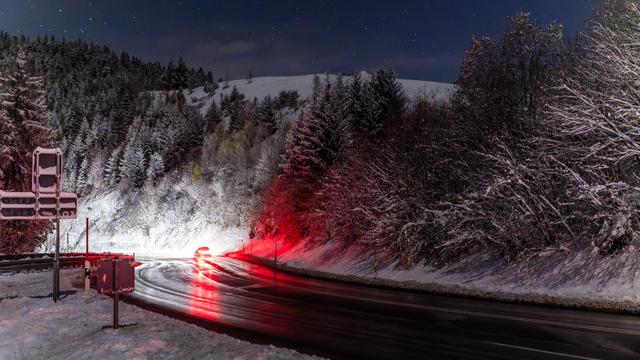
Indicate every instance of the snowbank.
{"type": "Point", "coordinates": [33, 327]}
{"type": "Point", "coordinates": [578, 278]}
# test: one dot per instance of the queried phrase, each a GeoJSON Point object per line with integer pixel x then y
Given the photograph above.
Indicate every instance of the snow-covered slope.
{"type": "Point", "coordinates": [173, 218]}
{"type": "Point", "coordinates": [178, 216]}
{"type": "Point", "coordinates": [303, 84]}
{"type": "Point", "coordinates": [262, 87]}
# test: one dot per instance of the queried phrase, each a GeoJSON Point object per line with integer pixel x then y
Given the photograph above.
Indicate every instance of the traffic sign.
{"type": "Point", "coordinates": [28, 206]}
{"type": "Point", "coordinates": [65, 206]}
{"type": "Point", "coordinates": [17, 205]}
{"type": "Point", "coordinates": [47, 201]}
{"type": "Point", "coordinates": [47, 170]}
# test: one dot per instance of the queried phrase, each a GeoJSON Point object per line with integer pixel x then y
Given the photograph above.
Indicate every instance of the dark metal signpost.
{"type": "Point", "coordinates": [47, 201]}
{"type": "Point", "coordinates": [115, 277]}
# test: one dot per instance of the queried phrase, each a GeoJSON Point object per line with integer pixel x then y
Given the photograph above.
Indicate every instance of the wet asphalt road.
{"type": "Point", "coordinates": [349, 321]}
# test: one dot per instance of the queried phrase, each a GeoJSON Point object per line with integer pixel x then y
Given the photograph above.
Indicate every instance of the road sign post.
{"type": "Point", "coordinates": [116, 276]}
{"type": "Point", "coordinates": [45, 202]}
{"type": "Point", "coordinates": [87, 264]}
{"type": "Point", "coordinates": [56, 265]}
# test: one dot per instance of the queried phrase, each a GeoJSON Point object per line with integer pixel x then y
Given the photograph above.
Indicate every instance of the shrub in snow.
{"type": "Point", "coordinates": [571, 182]}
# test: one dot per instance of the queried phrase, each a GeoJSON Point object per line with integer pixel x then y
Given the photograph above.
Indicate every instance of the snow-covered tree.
{"type": "Point", "coordinates": [112, 167]}
{"type": "Point", "coordinates": [133, 164]}
{"type": "Point", "coordinates": [501, 83]}
{"type": "Point", "coordinates": [212, 118]}
{"type": "Point", "coordinates": [82, 179]}
{"type": "Point", "coordinates": [266, 115]}
{"type": "Point", "coordinates": [156, 167]}
{"type": "Point", "coordinates": [210, 86]}
{"type": "Point", "coordinates": [571, 182]}
{"type": "Point", "coordinates": [313, 144]}
{"type": "Point", "coordinates": [392, 98]}
{"type": "Point", "coordinates": [233, 108]}
{"type": "Point", "coordinates": [24, 116]}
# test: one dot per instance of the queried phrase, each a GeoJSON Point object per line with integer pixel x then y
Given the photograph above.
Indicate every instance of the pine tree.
{"type": "Point", "coordinates": [24, 116]}
{"type": "Point", "coordinates": [212, 118]}
{"type": "Point", "coordinates": [210, 86]}
{"type": "Point", "coordinates": [313, 145]}
{"type": "Point", "coordinates": [82, 178]}
{"type": "Point", "coordinates": [316, 88]}
{"type": "Point", "coordinates": [370, 119]}
{"type": "Point", "coordinates": [133, 166]}
{"type": "Point", "coordinates": [391, 96]}
{"type": "Point", "coordinates": [156, 167]}
{"type": "Point", "coordinates": [233, 108]}
{"type": "Point", "coordinates": [266, 115]}
{"type": "Point", "coordinates": [338, 106]}
{"type": "Point", "coordinates": [112, 168]}
{"type": "Point", "coordinates": [7, 142]}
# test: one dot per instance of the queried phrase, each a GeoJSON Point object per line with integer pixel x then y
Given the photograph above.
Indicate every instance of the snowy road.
{"type": "Point", "coordinates": [341, 320]}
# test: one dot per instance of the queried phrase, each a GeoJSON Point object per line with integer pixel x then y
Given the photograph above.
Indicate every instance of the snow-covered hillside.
{"type": "Point", "coordinates": [179, 215]}
{"type": "Point", "coordinates": [173, 218]}
{"type": "Point", "coordinates": [262, 87]}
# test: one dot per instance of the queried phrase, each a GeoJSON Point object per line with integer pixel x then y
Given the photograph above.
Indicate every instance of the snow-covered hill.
{"type": "Point", "coordinates": [178, 215]}
{"type": "Point", "coordinates": [262, 87]}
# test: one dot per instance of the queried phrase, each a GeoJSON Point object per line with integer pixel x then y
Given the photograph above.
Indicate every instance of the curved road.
{"type": "Point", "coordinates": [346, 321]}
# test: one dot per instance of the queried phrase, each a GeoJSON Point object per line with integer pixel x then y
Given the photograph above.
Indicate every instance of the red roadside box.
{"type": "Point", "coordinates": [125, 276]}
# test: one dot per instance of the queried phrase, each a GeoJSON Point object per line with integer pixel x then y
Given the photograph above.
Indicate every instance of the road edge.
{"type": "Point", "coordinates": [554, 301]}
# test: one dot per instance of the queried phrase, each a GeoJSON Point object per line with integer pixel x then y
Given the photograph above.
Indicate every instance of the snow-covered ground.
{"type": "Point", "coordinates": [558, 276]}
{"type": "Point", "coordinates": [262, 87]}
{"type": "Point", "coordinates": [33, 327]}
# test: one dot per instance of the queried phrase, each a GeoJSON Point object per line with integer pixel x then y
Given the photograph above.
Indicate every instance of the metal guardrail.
{"type": "Point", "coordinates": [44, 261]}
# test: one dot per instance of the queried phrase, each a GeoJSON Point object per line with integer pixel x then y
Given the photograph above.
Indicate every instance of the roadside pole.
{"type": "Point", "coordinates": [87, 239]}
{"type": "Point", "coordinates": [56, 264]}
{"type": "Point", "coordinates": [116, 293]}
{"type": "Point", "coordinates": [87, 263]}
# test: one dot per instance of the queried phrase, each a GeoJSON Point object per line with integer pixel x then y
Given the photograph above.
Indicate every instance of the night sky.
{"type": "Point", "coordinates": [418, 39]}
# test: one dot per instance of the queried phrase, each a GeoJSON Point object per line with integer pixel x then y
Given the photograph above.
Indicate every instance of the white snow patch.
{"type": "Point", "coordinates": [33, 327]}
